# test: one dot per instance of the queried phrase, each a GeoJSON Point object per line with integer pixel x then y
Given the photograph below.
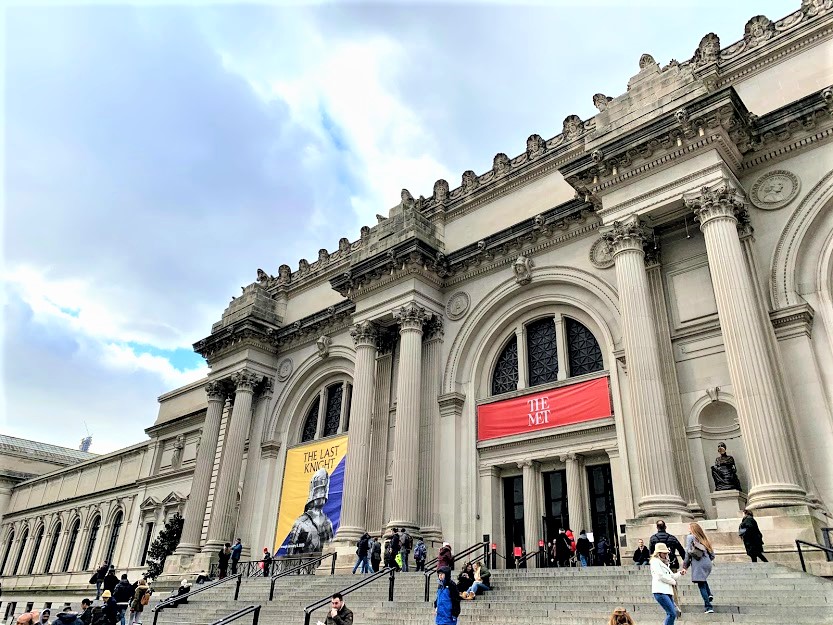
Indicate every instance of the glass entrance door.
{"type": "Point", "coordinates": [513, 512]}
{"type": "Point", "coordinates": [602, 510]}
{"type": "Point", "coordinates": [556, 514]}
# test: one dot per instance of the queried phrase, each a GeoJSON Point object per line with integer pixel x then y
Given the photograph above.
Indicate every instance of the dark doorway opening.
{"type": "Point", "coordinates": [513, 512]}
{"type": "Point", "coordinates": [556, 513]}
{"type": "Point", "coordinates": [602, 510]}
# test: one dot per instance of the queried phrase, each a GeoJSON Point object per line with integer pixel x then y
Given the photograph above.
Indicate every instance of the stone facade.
{"type": "Point", "coordinates": [676, 243]}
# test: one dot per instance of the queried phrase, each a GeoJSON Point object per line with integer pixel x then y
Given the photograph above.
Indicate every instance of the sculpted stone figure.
{"type": "Point", "coordinates": [724, 471]}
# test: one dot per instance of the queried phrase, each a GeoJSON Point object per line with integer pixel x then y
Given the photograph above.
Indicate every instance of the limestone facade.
{"type": "Point", "coordinates": [678, 244]}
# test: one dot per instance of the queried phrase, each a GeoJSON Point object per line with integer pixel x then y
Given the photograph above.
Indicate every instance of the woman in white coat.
{"type": "Point", "coordinates": [663, 581]}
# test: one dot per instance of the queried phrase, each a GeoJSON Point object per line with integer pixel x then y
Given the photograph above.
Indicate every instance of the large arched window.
{"type": "Point", "coordinates": [36, 550]}
{"type": "Point", "coordinates": [328, 412]}
{"type": "Point", "coordinates": [584, 353]}
{"type": "Point", "coordinates": [20, 551]}
{"type": "Point", "coordinates": [73, 540]}
{"type": "Point", "coordinates": [7, 552]}
{"type": "Point", "coordinates": [53, 547]}
{"type": "Point", "coordinates": [505, 376]}
{"type": "Point", "coordinates": [114, 537]}
{"type": "Point", "coordinates": [555, 347]}
{"type": "Point", "coordinates": [88, 554]}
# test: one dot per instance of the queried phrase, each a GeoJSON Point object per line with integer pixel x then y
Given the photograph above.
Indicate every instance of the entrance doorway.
{"type": "Point", "coordinates": [602, 510]}
{"type": "Point", "coordinates": [556, 513]}
{"type": "Point", "coordinates": [513, 512]}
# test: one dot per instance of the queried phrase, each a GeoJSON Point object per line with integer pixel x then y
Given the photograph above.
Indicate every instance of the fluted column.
{"type": "Point", "coordinates": [406, 446]}
{"type": "Point", "coordinates": [245, 522]}
{"type": "Point", "coordinates": [203, 466]}
{"type": "Point", "coordinates": [357, 469]}
{"type": "Point", "coordinates": [221, 524]}
{"type": "Point", "coordinates": [773, 472]}
{"type": "Point", "coordinates": [429, 513]}
{"type": "Point", "coordinates": [533, 510]}
{"type": "Point", "coordinates": [576, 495]}
{"type": "Point", "coordinates": [660, 489]}
{"type": "Point", "coordinates": [379, 431]}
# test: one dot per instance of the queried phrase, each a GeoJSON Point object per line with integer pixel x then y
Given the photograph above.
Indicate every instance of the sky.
{"type": "Point", "coordinates": [155, 156]}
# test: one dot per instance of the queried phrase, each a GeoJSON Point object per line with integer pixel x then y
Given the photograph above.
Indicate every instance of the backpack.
{"type": "Point", "coordinates": [145, 598]}
{"type": "Point", "coordinates": [419, 552]}
{"type": "Point", "coordinates": [377, 550]}
{"type": "Point", "coordinates": [409, 542]}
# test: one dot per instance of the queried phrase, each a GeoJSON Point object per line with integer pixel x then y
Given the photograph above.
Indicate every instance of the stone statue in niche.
{"type": "Point", "coordinates": [724, 471]}
{"type": "Point", "coordinates": [179, 445]}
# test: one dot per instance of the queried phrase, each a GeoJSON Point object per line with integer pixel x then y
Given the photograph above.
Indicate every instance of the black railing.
{"type": "Point", "coordinates": [178, 598]}
{"type": "Point", "coordinates": [827, 550]}
{"type": "Point", "coordinates": [247, 568]}
{"type": "Point", "coordinates": [431, 568]}
{"type": "Point", "coordinates": [388, 571]}
{"type": "Point", "coordinates": [252, 609]}
{"type": "Point", "coordinates": [307, 568]}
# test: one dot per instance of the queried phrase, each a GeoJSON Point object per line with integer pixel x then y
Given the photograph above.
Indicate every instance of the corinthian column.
{"type": "Point", "coordinates": [429, 513]}
{"type": "Point", "coordinates": [576, 495]}
{"type": "Point", "coordinates": [406, 446]}
{"type": "Point", "coordinates": [533, 509]}
{"type": "Point", "coordinates": [773, 472]}
{"type": "Point", "coordinates": [660, 490]}
{"type": "Point", "coordinates": [221, 524]}
{"type": "Point", "coordinates": [198, 499]}
{"type": "Point", "coordinates": [357, 468]}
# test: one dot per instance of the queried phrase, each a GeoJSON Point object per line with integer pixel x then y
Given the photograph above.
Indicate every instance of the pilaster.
{"type": "Point", "coordinates": [429, 514]}
{"type": "Point", "coordinates": [379, 440]}
{"type": "Point", "coordinates": [533, 508]}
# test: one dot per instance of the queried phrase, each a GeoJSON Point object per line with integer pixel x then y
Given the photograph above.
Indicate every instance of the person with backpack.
{"type": "Point", "coordinates": [583, 548]}
{"type": "Point", "coordinates": [236, 552]}
{"type": "Point", "coordinates": [362, 550]}
{"type": "Point", "coordinates": [420, 552]}
{"type": "Point", "coordinates": [98, 579]}
{"type": "Point", "coordinates": [376, 554]}
{"type": "Point", "coordinates": [123, 593]}
{"type": "Point", "coordinates": [407, 545]}
{"type": "Point", "coordinates": [447, 603]}
{"type": "Point", "coordinates": [674, 546]}
{"type": "Point", "coordinates": [602, 552]}
{"type": "Point", "coordinates": [395, 547]}
{"type": "Point", "coordinates": [140, 599]}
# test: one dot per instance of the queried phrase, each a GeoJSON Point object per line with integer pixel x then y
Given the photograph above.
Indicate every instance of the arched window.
{"type": "Point", "coordinates": [335, 401]}
{"type": "Point", "coordinates": [542, 354]}
{"type": "Point", "coordinates": [20, 551]}
{"type": "Point", "coordinates": [583, 349]}
{"type": "Point", "coordinates": [73, 539]}
{"type": "Point", "coordinates": [35, 551]}
{"type": "Point", "coordinates": [8, 552]}
{"type": "Point", "coordinates": [88, 554]}
{"type": "Point", "coordinates": [53, 546]}
{"type": "Point", "coordinates": [505, 375]}
{"type": "Point", "coordinates": [114, 537]}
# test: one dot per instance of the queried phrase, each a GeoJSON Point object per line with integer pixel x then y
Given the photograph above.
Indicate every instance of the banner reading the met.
{"type": "Point", "coordinates": [313, 483]}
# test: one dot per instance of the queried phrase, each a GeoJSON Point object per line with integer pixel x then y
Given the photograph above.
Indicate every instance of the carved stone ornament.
{"type": "Point", "coordinates": [407, 200]}
{"type": "Point", "coordinates": [774, 190]}
{"type": "Point", "coordinates": [535, 146]}
{"type": "Point", "coordinates": [523, 270]}
{"type": "Point", "coordinates": [811, 8]}
{"type": "Point", "coordinates": [284, 274]}
{"type": "Point", "coordinates": [457, 306]}
{"type": "Point", "coordinates": [410, 317]}
{"type": "Point", "coordinates": [573, 127]}
{"type": "Point", "coordinates": [600, 101]}
{"type": "Point", "coordinates": [646, 60]}
{"type": "Point", "coordinates": [601, 256]}
{"type": "Point", "coordinates": [719, 201]}
{"type": "Point", "coordinates": [246, 380]}
{"type": "Point", "coordinates": [757, 30]}
{"type": "Point", "coordinates": [262, 277]}
{"type": "Point", "coordinates": [284, 369]}
{"type": "Point", "coordinates": [365, 333]}
{"type": "Point", "coordinates": [179, 445]}
{"type": "Point", "coordinates": [501, 164]}
{"type": "Point", "coordinates": [440, 191]}
{"type": "Point", "coordinates": [708, 51]}
{"type": "Point", "coordinates": [215, 390]}
{"type": "Point", "coordinates": [323, 345]}
{"type": "Point", "coordinates": [469, 181]}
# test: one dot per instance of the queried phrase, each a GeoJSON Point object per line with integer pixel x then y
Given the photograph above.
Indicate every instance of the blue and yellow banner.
{"type": "Point", "coordinates": [313, 484]}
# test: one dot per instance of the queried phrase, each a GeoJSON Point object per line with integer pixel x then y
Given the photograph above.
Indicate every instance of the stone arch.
{"type": "Point", "coordinates": [286, 419]}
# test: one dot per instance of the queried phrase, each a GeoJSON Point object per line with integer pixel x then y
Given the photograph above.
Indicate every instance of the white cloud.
{"type": "Point", "coordinates": [126, 358]}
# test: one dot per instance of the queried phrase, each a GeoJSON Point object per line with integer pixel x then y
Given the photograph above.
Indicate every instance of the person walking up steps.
{"type": "Point", "coordinates": [663, 582]}
{"type": "Point", "coordinates": [698, 557]}
{"type": "Point", "coordinates": [420, 553]}
{"type": "Point", "coordinates": [753, 540]}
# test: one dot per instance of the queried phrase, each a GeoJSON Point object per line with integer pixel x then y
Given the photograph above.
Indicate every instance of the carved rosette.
{"type": "Point", "coordinates": [718, 202]}
{"type": "Point", "coordinates": [246, 380]}
{"type": "Point", "coordinates": [365, 334]}
{"type": "Point", "coordinates": [627, 235]}
{"type": "Point", "coordinates": [410, 317]}
{"type": "Point", "coordinates": [216, 391]}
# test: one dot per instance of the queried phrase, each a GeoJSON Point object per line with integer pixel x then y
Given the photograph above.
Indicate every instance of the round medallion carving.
{"type": "Point", "coordinates": [284, 369]}
{"type": "Point", "coordinates": [457, 306]}
{"type": "Point", "coordinates": [600, 255]}
{"type": "Point", "coordinates": [774, 190]}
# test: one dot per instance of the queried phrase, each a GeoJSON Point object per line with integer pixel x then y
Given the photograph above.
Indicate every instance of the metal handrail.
{"type": "Point", "coordinates": [240, 613]}
{"type": "Point", "coordinates": [177, 599]}
{"type": "Point", "coordinates": [346, 591]}
{"type": "Point", "coordinates": [431, 570]}
{"type": "Point", "coordinates": [827, 550]}
{"type": "Point", "coordinates": [301, 567]}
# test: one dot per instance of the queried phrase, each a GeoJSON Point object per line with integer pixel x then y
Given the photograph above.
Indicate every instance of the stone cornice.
{"type": "Point", "coordinates": [451, 404]}
{"type": "Point", "coordinates": [246, 333]}
{"type": "Point", "coordinates": [792, 321]}
{"type": "Point", "coordinates": [598, 430]}
{"type": "Point", "coordinates": [328, 321]}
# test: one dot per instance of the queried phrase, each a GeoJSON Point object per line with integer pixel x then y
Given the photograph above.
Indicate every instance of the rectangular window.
{"type": "Point", "coordinates": [48, 606]}
{"type": "Point", "coordinates": [10, 608]}
{"type": "Point", "coordinates": [148, 536]}
{"type": "Point", "coordinates": [29, 606]}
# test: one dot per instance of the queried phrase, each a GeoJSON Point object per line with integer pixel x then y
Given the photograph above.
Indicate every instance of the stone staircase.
{"type": "Point", "coordinates": [763, 594]}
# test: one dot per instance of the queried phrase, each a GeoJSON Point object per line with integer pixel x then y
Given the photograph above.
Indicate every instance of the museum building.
{"type": "Point", "coordinates": [560, 341]}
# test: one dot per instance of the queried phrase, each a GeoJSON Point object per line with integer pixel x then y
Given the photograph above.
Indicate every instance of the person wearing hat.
{"type": "Point", "coordinates": [447, 603]}
{"type": "Point", "coordinates": [67, 617]}
{"type": "Point", "coordinates": [184, 589]}
{"type": "Point", "coordinates": [110, 608]}
{"type": "Point", "coordinates": [664, 582]}
{"type": "Point", "coordinates": [445, 557]}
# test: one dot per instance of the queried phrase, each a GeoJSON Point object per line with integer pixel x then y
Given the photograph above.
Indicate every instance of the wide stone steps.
{"type": "Point", "coordinates": [764, 594]}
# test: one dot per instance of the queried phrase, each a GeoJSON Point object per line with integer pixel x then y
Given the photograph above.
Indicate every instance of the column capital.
{"type": "Point", "coordinates": [270, 449]}
{"type": "Point", "coordinates": [720, 201]}
{"type": "Point", "coordinates": [246, 380]}
{"type": "Point", "coordinates": [216, 390]}
{"type": "Point", "coordinates": [528, 464]}
{"type": "Point", "coordinates": [434, 329]}
{"type": "Point", "coordinates": [268, 387]}
{"type": "Point", "coordinates": [365, 334]}
{"type": "Point", "coordinates": [571, 457]}
{"type": "Point", "coordinates": [627, 235]}
{"type": "Point", "coordinates": [410, 317]}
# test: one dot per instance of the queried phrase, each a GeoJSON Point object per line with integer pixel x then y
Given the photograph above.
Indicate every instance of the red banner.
{"type": "Point", "coordinates": [565, 405]}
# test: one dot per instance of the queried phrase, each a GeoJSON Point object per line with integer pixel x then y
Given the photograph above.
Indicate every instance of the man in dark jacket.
{"type": "Point", "coordinates": [110, 580]}
{"type": "Point", "coordinates": [583, 548]}
{"type": "Point", "coordinates": [670, 541]}
{"type": "Point", "coordinates": [563, 548]}
{"type": "Point", "coordinates": [376, 554]}
{"type": "Point", "coordinates": [123, 593]}
{"type": "Point", "coordinates": [395, 546]}
{"type": "Point", "coordinates": [641, 556]}
{"type": "Point", "coordinates": [223, 556]}
{"type": "Point", "coordinates": [339, 613]}
{"type": "Point", "coordinates": [110, 609]}
{"type": "Point", "coordinates": [362, 549]}
{"type": "Point", "coordinates": [86, 615]}
{"type": "Point", "coordinates": [447, 603]}
{"type": "Point", "coordinates": [68, 617]}
{"type": "Point", "coordinates": [98, 579]}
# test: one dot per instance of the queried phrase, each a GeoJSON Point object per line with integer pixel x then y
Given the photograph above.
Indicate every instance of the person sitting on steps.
{"type": "Point", "coordinates": [481, 582]}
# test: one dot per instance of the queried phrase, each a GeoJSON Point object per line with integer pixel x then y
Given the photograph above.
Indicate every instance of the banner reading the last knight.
{"type": "Point", "coordinates": [313, 483]}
